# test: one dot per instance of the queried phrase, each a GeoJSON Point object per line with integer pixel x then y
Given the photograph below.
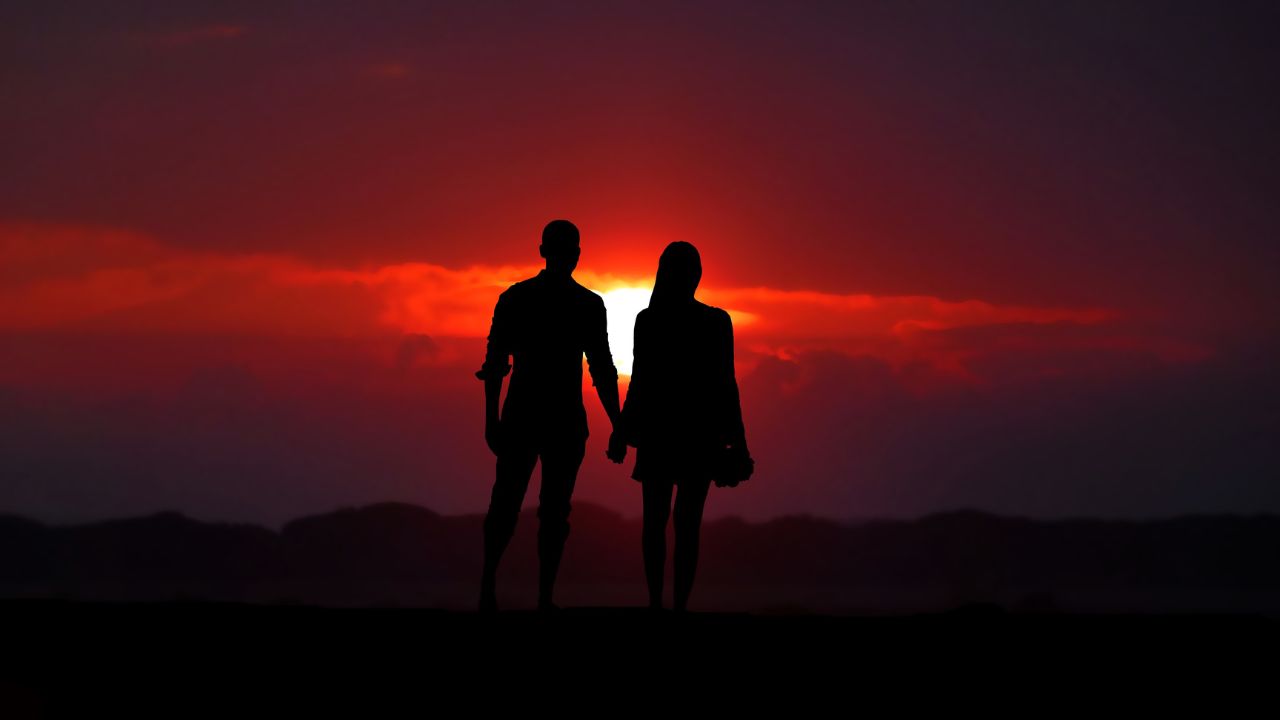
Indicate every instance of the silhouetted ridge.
{"type": "Point", "coordinates": [397, 553]}
{"type": "Point", "coordinates": [389, 540]}
{"type": "Point", "coordinates": [165, 553]}
{"type": "Point", "coordinates": [26, 550]}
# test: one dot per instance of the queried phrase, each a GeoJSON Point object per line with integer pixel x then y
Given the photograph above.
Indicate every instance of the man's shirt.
{"type": "Point", "coordinates": [545, 324]}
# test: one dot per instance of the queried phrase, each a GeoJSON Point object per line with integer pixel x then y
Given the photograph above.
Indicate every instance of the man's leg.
{"type": "Point", "coordinates": [514, 468]}
{"type": "Point", "coordinates": [560, 464]}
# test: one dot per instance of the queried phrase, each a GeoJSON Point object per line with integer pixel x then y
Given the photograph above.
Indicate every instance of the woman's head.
{"type": "Point", "coordinates": [679, 270]}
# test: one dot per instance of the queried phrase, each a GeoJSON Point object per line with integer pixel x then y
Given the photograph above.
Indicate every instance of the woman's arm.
{"type": "Point", "coordinates": [734, 430]}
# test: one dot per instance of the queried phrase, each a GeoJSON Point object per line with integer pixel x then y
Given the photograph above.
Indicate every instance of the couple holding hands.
{"type": "Point", "coordinates": [682, 412]}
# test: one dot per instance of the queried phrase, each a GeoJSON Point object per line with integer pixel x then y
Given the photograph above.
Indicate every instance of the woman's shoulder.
{"type": "Point", "coordinates": [714, 315]}
{"type": "Point", "coordinates": [642, 317]}
{"type": "Point", "coordinates": [702, 314]}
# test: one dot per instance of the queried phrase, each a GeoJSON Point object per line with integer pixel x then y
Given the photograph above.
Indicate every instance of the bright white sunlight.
{"type": "Point", "coordinates": [622, 305]}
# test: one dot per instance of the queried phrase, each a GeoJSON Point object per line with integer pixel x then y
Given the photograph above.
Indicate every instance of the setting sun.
{"type": "Point", "coordinates": [622, 305]}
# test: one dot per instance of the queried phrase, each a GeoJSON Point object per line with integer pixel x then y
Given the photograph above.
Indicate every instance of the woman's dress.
{"type": "Point", "coordinates": [682, 403]}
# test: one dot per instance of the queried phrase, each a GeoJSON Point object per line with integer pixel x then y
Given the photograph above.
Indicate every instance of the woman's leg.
{"type": "Point", "coordinates": [657, 510]}
{"type": "Point", "coordinates": [690, 500]}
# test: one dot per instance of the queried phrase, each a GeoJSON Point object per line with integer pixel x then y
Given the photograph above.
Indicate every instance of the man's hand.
{"type": "Point", "coordinates": [493, 435]}
{"type": "Point", "coordinates": [617, 451]}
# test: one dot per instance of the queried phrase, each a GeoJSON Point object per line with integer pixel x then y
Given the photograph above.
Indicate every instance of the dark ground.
{"type": "Point", "coordinates": [73, 659]}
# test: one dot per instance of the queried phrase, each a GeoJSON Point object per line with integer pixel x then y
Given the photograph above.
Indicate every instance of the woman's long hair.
{"type": "Point", "coordinates": [679, 270]}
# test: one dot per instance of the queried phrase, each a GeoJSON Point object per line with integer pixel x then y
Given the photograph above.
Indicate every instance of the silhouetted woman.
{"type": "Point", "coordinates": [681, 412]}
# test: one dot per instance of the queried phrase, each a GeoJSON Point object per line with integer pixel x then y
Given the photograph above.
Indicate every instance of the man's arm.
{"type": "Point", "coordinates": [495, 368]}
{"type": "Point", "coordinates": [604, 376]}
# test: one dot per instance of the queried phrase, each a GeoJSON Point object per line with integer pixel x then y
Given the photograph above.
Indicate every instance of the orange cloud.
{"type": "Point", "coordinates": [85, 278]}
{"type": "Point", "coordinates": [813, 315]}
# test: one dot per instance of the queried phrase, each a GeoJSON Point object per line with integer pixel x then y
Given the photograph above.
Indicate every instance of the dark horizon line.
{"type": "Point", "coordinates": [853, 521]}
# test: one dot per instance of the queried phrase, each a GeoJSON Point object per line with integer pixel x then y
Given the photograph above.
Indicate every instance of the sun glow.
{"type": "Point", "coordinates": [621, 306]}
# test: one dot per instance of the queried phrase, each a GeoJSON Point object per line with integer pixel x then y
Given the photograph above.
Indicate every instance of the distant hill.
{"type": "Point", "coordinates": [401, 554]}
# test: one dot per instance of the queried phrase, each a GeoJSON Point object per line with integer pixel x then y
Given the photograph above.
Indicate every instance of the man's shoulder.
{"type": "Point", "coordinates": [518, 288]}
{"type": "Point", "coordinates": [530, 288]}
{"type": "Point", "coordinates": [586, 295]}
{"type": "Point", "coordinates": [525, 285]}
{"type": "Point", "coordinates": [585, 291]}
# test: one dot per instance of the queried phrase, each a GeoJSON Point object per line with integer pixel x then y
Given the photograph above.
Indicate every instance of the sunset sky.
{"type": "Point", "coordinates": [1015, 256]}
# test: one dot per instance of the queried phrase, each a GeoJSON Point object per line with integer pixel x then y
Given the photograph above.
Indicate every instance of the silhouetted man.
{"type": "Point", "coordinates": [545, 323]}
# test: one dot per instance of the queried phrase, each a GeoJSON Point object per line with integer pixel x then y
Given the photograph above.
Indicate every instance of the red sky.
{"type": "Point", "coordinates": [1019, 258]}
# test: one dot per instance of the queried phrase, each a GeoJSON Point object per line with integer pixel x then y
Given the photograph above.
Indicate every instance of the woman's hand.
{"type": "Point", "coordinates": [736, 466]}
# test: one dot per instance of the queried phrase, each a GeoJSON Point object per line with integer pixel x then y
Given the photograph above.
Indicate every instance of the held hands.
{"type": "Point", "coordinates": [617, 451]}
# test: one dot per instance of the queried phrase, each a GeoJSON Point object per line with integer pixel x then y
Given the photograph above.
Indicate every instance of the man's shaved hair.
{"type": "Point", "coordinates": [560, 235]}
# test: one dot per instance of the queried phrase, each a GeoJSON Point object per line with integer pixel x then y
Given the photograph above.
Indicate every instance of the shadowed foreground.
{"type": "Point", "coordinates": [181, 659]}
{"type": "Point", "coordinates": [173, 617]}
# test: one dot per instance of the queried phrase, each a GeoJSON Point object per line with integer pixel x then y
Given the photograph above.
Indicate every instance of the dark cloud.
{"type": "Point", "coordinates": [414, 348]}
{"type": "Point", "coordinates": [1139, 439]}
{"type": "Point", "coordinates": [256, 442]}
{"type": "Point", "coordinates": [206, 33]}
{"type": "Point", "coordinates": [275, 430]}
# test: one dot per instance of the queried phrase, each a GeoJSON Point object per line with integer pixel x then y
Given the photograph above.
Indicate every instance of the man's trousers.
{"type": "Point", "coordinates": [561, 459]}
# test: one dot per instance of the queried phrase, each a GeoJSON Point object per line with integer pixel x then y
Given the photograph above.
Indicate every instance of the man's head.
{"type": "Point", "coordinates": [560, 246]}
